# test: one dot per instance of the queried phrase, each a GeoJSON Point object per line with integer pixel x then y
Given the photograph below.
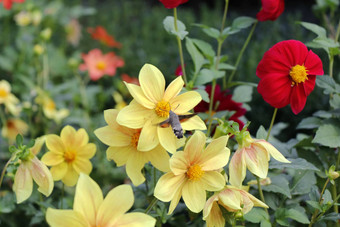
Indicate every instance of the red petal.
{"type": "Point", "coordinates": [309, 84]}
{"type": "Point", "coordinates": [313, 64]}
{"type": "Point", "coordinates": [298, 98]}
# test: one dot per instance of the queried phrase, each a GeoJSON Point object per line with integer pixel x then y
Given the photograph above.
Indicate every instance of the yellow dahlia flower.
{"type": "Point", "coordinates": [50, 108]}
{"type": "Point", "coordinates": [123, 143]}
{"type": "Point", "coordinates": [31, 169]}
{"type": "Point", "coordinates": [253, 154]}
{"type": "Point", "coordinates": [193, 172]}
{"type": "Point", "coordinates": [8, 99]}
{"type": "Point", "coordinates": [69, 154]}
{"type": "Point", "coordinates": [233, 200]}
{"type": "Point", "coordinates": [152, 105]}
{"type": "Point", "coordinates": [91, 209]}
{"type": "Point", "coordinates": [12, 128]}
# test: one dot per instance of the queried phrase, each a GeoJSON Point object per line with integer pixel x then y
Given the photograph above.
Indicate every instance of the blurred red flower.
{"type": "Point", "coordinates": [287, 74]}
{"type": "Point", "coordinates": [128, 79]}
{"type": "Point", "coordinates": [8, 3]}
{"type": "Point", "coordinates": [179, 71]}
{"type": "Point", "coordinates": [224, 101]}
{"type": "Point", "coordinates": [271, 9]}
{"type": "Point", "coordinates": [99, 33]}
{"type": "Point", "coordinates": [170, 4]}
{"type": "Point", "coordinates": [99, 64]}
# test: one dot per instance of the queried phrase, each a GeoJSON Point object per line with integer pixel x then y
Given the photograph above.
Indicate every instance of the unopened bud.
{"type": "Point", "coordinates": [46, 34]}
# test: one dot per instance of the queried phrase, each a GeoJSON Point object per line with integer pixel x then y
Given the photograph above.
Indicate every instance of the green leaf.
{"type": "Point", "coordinates": [6, 63]}
{"type": "Point", "coordinates": [330, 217]}
{"type": "Point", "coordinates": [204, 95]}
{"type": "Point", "coordinates": [19, 139]}
{"type": "Point", "coordinates": [225, 66]}
{"type": "Point", "coordinates": [279, 185]}
{"type": "Point", "coordinates": [265, 223]}
{"type": "Point", "coordinates": [302, 182]}
{"type": "Point", "coordinates": [297, 163]}
{"type": "Point", "coordinates": [328, 135]}
{"type": "Point", "coordinates": [261, 133]}
{"type": "Point", "coordinates": [320, 31]}
{"type": "Point", "coordinates": [242, 22]}
{"type": "Point", "coordinates": [169, 25]}
{"type": "Point", "coordinates": [335, 101]}
{"type": "Point", "coordinates": [314, 204]}
{"type": "Point", "coordinates": [327, 197]}
{"type": "Point", "coordinates": [297, 216]}
{"type": "Point", "coordinates": [327, 83]}
{"type": "Point", "coordinates": [212, 32]}
{"type": "Point", "coordinates": [243, 93]}
{"type": "Point", "coordinates": [256, 215]}
{"type": "Point", "coordinates": [196, 56]}
{"type": "Point", "coordinates": [309, 123]}
{"type": "Point", "coordinates": [207, 75]}
{"type": "Point", "coordinates": [204, 47]}
{"type": "Point", "coordinates": [325, 42]}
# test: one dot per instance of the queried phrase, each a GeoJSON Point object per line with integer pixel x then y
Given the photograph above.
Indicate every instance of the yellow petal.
{"type": "Point", "coordinates": [134, 167]}
{"type": "Point", "coordinates": [257, 202]}
{"type": "Point", "coordinates": [74, 139]}
{"type": "Point", "coordinates": [119, 155]}
{"type": "Point", "coordinates": [55, 144]}
{"type": "Point", "coordinates": [88, 198]}
{"type": "Point", "coordinates": [185, 102]}
{"type": "Point", "coordinates": [214, 217]}
{"type": "Point", "coordinates": [230, 198]}
{"type": "Point", "coordinates": [71, 176]}
{"type": "Point", "coordinates": [194, 123]}
{"type": "Point", "coordinates": [257, 160]}
{"type": "Point", "coordinates": [237, 169]}
{"type": "Point", "coordinates": [159, 158]}
{"type": "Point", "coordinates": [148, 137]}
{"type": "Point", "coordinates": [112, 137]}
{"type": "Point", "coordinates": [179, 163]}
{"type": "Point", "coordinates": [152, 83]}
{"type": "Point", "coordinates": [135, 219]}
{"type": "Point", "coordinates": [59, 171]}
{"type": "Point", "coordinates": [173, 89]}
{"type": "Point", "coordinates": [177, 196]}
{"type": "Point", "coordinates": [52, 158]}
{"type": "Point", "coordinates": [110, 117]}
{"type": "Point", "coordinates": [209, 205]}
{"type": "Point", "coordinates": [212, 181]}
{"type": "Point", "coordinates": [82, 165]}
{"type": "Point", "coordinates": [134, 115]}
{"type": "Point", "coordinates": [138, 94]}
{"type": "Point", "coordinates": [39, 142]}
{"type": "Point", "coordinates": [167, 139]}
{"type": "Point", "coordinates": [23, 183]}
{"type": "Point", "coordinates": [117, 202]}
{"type": "Point", "coordinates": [216, 155]}
{"type": "Point", "coordinates": [194, 196]}
{"type": "Point", "coordinates": [42, 176]}
{"type": "Point", "coordinates": [58, 218]}
{"type": "Point", "coordinates": [194, 147]}
{"type": "Point", "coordinates": [273, 151]}
{"type": "Point", "coordinates": [167, 186]}
{"type": "Point", "coordinates": [87, 151]}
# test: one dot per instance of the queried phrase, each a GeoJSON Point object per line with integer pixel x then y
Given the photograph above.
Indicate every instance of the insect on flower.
{"type": "Point", "coordinates": [175, 121]}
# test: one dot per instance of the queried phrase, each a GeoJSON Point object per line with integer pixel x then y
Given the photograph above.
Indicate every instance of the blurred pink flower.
{"type": "Point", "coordinates": [179, 71]}
{"type": "Point", "coordinates": [99, 64]}
{"type": "Point", "coordinates": [8, 3]}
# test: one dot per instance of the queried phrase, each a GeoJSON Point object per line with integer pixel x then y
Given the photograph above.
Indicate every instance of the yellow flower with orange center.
{"type": "Point", "coordinates": [232, 199]}
{"type": "Point", "coordinates": [69, 155]}
{"type": "Point", "coordinates": [12, 128]}
{"type": "Point", "coordinates": [91, 209]}
{"type": "Point", "coordinates": [123, 143]}
{"type": "Point", "coordinates": [152, 104]}
{"type": "Point", "coordinates": [193, 172]}
{"type": "Point", "coordinates": [50, 108]}
{"type": "Point", "coordinates": [8, 99]}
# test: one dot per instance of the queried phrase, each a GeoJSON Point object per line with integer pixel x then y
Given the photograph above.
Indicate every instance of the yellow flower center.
{"type": "Point", "coordinates": [195, 172]}
{"type": "Point", "coordinates": [162, 109]}
{"type": "Point", "coordinates": [298, 74]}
{"type": "Point", "coordinates": [3, 93]}
{"type": "Point", "coordinates": [70, 156]}
{"type": "Point", "coordinates": [135, 139]}
{"type": "Point", "coordinates": [101, 65]}
{"type": "Point", "coordinates": [50, 104]}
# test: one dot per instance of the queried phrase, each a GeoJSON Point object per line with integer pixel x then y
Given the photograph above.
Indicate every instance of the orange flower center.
{"type": "Point", "coordinates": [135, 139]}
{"type": "Point", "coordinates": [10, 124]}
{"type": "Point", "coordinates": [195, 172]}
{"type": "Point", "coordinates": [101, 65]}
{"type": "Point", "coordinates": [162, 109]}
{"type": "Point", "coordinates": [70, 156]}
{"type": "Point", "coordinates": [298, 74]}
{"type": "Point", "coordinates": [3, 93]}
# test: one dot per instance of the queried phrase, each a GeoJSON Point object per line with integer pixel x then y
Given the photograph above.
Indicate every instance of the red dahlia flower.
{"type": "Point", "coordinates": [99, 33]}
{"type": "Point", "coordinates": [170, 4]}
{"type": "Point", "coordinates": [8, 3]}
{"type": "Point", "coordinates": [271, 9]}
{"type": "Point", "coordinates": [287, 74]}
{"type": "Point", "coordinates": [225, 102]}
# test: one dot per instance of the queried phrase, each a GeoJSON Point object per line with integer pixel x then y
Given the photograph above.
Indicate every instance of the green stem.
{"type": "Point", "coordinates": [314, 216]}
{"type": "Point", "coordinates": [46, 70]}
{"type": "Point", "coordinates": [4, 171]}
{"type": "Point", "coordinates": [260, 192]}
{"type": "Point", "coordinates": [84, 99]}
{"type": "Point", "coordinates": [337, 35]}
{"type": "Point", "coordinates": [331, 62]}
{"type": "Point", "coordinates": [180, 49]}
{"type": "Point", "coordinates": [334, 187]}
{"type": "Point", "coordinates": [154, 177]}
{"type": "Point", "coordinates": [62, 195]}
{"type": "Point", "coordinates": [239, 57]}
{"type": "Point", "coordinates": [2, 117]}
{"type": "Point", "coordinates": [271, 124]}
{"type": "Point", "coordinates": [151, 205]}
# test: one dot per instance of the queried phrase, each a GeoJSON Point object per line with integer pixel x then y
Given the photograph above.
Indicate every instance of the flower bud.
{"type": "Point", "coordinates": [46, 34]}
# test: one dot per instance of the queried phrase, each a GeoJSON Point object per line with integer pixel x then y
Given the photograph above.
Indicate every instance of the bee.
{"type": "Point", "coordinates": [174, 121]}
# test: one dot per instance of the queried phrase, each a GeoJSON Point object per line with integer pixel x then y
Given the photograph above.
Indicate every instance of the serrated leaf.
{"type": "Point", "coordinates": [297, 216]}
{"type": "Point", "coordinates": [328, 135]}
{"type": "Point", "coordinates": [320, 31]}
{"type": "Point", "coordinates": [297, 163]}
{"type": "Point", "coordinates": [169, 26]}
{"type": "Point", "coordinates": [330, 217]}
{"type": "Point", "coordinates": [256, 215]}
{"type": "Point", "coordinates": [243, 93]}
{"type": "Point", "coordinates": [325, 42]}
{"type": "Point", "coordinates": [326, 82]}
{"type": "Point", "coordinates": [314, 204]}
{"type": "Point", "coordinates": [309, 123]}
{"type": "Point", "coordinates": [327, 197]}
{"type": "Point", "coordinates": [279, 184]}
{"type": "Point", "coordinates": [302, 182]}
{"type": "Point", "coordinates": [196, 56]}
